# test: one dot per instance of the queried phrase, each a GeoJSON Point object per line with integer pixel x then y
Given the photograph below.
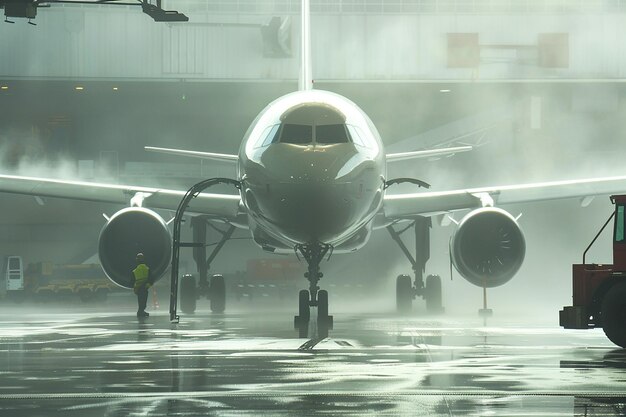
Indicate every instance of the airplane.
{"type": "Point", "coordinates": [312, 175]}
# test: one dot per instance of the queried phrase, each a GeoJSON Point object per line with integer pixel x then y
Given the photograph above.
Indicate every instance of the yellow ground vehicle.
{"type": "Point", "coordinates": [47, 281]}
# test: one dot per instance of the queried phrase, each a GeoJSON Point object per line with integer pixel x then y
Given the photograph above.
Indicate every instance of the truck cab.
{"type": "Point", "coordinates": [14, 273]}
{"type": "Point", "coordinates": [599, 291]}
{"type": "Point", "coordinates": [619, 233]}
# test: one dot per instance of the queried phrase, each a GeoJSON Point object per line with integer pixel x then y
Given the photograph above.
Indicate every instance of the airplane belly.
{"type": "Point", "coordinates": [315, 212]}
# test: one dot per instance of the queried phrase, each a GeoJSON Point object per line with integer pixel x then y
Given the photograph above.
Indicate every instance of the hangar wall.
{"type": "Point", "coordinates": [61, 242]}
{"type": "Point", "coordinates": [220, 43]}
{"type": "Point", "coordinates": [99, 44]}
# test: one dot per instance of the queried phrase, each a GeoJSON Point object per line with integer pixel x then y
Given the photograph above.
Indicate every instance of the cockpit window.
{"type": "Point", "coordinates": [356, 137]}
{"type": "Point", "coordinates": [271, 135]}
{"type": "Point", "coordinates": [331, 134]}
{"type": "Point", "coordinates": [305, 134]}
{"type": "Point", "coordinates": [297, 134]}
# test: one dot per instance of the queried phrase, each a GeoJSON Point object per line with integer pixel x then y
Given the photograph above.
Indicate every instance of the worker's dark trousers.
{"type": "Point", "coordinates": [142, 300]}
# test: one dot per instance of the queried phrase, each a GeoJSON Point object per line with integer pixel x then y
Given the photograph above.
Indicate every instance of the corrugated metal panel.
{"type": "Point", "coordinates": [406, 6]}
{"type": "Point", "coordinates": [183, 50]}
{"type": "Point", "coordinates": [98, 42]}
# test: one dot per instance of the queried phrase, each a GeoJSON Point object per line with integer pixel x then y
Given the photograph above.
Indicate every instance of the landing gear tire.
{"type": "Point", "coordinates": [301, 321]}
{"type": "Point", "coordinates": [404, 294]}
{"type": "Point", "coordinates": [324, 321]}
{"type": "Point", "coordinates": [188, 294]}
{"type": "Point", "coordinates": [218, 294]}
{"type": "Point", "coordinates": [614, 314]}
{"type": "Point", "coordinates": [433, 295]}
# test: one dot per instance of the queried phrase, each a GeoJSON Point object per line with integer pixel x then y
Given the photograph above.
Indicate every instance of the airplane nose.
{"type": "Point", "coordinates": [313, 193]}
{"type": "Point", "coordinates": [315, 167]}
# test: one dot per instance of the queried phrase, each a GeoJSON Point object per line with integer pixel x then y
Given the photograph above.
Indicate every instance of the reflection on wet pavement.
{"type": "Point", "coordinates": [96, 363]}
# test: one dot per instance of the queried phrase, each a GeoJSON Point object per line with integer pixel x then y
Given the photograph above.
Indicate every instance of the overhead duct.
{"type": "Point", "coordinates": [28, 8]}
{"type": "Point", "coordinates": [154, 10]}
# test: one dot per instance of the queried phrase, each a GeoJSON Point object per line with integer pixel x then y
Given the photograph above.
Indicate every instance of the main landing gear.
{"type": "Point", "coordinates": [213, 287]}
{"type": "Point", "coordinates": [313, 254]}
{"type": "Point", "coordinates": [430, 290]}
{"type": "Point", "coordinates": [216, 288]}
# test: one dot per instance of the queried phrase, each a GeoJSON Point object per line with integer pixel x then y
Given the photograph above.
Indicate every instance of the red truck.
{"type": "Point", "coordinates": [268, 277]}
{"type": "Point", "coordinates": [599, 291]}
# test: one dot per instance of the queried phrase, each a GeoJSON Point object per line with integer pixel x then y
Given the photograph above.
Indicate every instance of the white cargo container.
{"type": "Point", "coordinates": [14, 273]}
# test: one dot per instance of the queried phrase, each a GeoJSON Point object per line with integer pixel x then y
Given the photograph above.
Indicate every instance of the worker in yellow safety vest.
{"type": "Point", "coordinates": [143, 281]}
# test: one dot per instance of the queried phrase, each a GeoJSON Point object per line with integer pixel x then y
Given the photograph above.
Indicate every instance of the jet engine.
{"type": "Point", "coordinates": [488, 247]}
{"type": "Point", "coordinates": [128, 232]}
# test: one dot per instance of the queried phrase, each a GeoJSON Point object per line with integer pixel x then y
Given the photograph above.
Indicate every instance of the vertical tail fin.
{"type": "Point", "coordinates": [306, 75]}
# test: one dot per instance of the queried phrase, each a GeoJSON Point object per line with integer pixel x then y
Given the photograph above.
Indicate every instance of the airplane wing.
{"type": "Point", "coordinates": [195, 154]}
{"type": "Point", "coordinates": [223, 206]}
{"type": "Point", "coordinates": [426, 153]}
{"type": "Point", "coordinates": [432, 203]}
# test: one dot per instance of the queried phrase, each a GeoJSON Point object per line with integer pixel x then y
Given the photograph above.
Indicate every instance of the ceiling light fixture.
{"type": "Point", "coordinates": [159, 15]}
{"type": "Point", "coordinates": [28, 8]}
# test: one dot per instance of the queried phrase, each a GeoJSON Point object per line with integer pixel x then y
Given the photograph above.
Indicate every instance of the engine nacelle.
{"type": "Point", "coordinates": [128, 232]}
{"type": "Point", "coordinates": [488, 247]}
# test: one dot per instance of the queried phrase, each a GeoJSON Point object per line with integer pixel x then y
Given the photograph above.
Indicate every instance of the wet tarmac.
{"type": "Point", "coordinates": [249, 363]}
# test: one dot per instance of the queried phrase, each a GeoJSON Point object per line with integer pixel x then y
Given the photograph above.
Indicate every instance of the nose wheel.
{"type": "Point", "coordinates": [302, 321]}
{"type": "Point", "coordinates": [313, 297]}
{"type": "Point", "coordinates": [324, 321]}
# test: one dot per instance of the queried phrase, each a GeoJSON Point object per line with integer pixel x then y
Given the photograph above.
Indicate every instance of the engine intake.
{"type": "Point", "coordinates": [488, 248]}
{"type": "Point", "coordinates": [128, 232]}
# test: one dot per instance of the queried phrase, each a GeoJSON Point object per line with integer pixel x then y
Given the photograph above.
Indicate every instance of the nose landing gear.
{"type": "Point", "coordinates": [313, 254]}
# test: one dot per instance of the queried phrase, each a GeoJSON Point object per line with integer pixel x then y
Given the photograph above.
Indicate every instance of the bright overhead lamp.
{"type": "Point", "coordinates": [444, 90]}
{"type": "Point", "coordinates": [4, 87]}
{"type": "Point", "coordinates": [115, 89]}
{"type": "Point", "coordinates": [79, 88]}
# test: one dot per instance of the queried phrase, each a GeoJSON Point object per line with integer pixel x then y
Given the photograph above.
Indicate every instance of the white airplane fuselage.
{"type": "Point", "coordinates": [312, 169]}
